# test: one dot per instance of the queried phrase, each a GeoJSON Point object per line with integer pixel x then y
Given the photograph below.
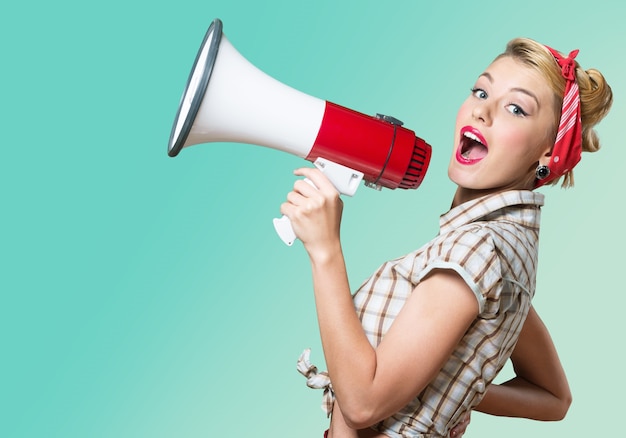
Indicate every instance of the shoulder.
{"type": "Point", "coordinates": [469, 251]}
{"type": "Point", "coordinates": [469, 244]}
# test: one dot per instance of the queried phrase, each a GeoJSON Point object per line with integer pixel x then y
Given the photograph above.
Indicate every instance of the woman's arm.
{"type": "Point", "coordinates": [371, 384]}
{"type": "Point", "coordinates": [540, 390]}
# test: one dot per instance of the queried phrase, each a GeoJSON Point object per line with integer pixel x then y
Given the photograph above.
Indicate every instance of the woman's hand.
{"type": "Point", "coordinates": [458, 430]}
{"type": "Point", "coordinates": [314, 208]}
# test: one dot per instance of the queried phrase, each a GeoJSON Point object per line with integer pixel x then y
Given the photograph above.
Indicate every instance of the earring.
{"type": "Point", "coordinates": [542, 172]}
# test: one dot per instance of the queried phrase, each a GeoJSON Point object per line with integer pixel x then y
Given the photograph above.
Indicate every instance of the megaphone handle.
{"type": "Point", "coordinates": [283, 226]}
{"type": "Point", "coordinates": [285, 230]}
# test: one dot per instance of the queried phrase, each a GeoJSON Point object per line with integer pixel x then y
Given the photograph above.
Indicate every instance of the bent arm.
{"type": "Point", "coordinates": [372, 384]}
{"type": "Point", "coordinates": [539, 390]}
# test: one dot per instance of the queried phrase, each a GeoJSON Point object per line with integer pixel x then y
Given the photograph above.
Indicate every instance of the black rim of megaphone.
{"type": "Point", "coordinates": [213, 37]}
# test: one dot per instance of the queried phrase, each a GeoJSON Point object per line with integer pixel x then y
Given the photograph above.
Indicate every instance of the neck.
{"type": "Point", "coordinates": [463, 194]}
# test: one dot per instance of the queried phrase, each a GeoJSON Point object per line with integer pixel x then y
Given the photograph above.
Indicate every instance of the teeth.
{"type": "Point", "coordinates": [472, 136]}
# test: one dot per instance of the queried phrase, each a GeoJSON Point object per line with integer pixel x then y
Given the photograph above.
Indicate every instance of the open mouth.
{"type": "Point", "coordinates": [473, 146]}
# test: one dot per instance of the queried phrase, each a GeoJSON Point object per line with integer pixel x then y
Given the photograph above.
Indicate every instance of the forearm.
{"type": "Point", "coordinates": [350, 358]}
{"type": "Point", "coordinates": [520, 398]}
{"type": "Point", "coordinates": [540, 390]}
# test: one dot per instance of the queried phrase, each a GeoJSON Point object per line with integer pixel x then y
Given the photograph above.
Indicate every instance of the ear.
{"type": "Point", "coordinates": [545, 156]}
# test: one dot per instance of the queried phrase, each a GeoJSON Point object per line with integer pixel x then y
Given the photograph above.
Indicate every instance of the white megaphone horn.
{"type": "Point", "coordinates": [227, 99]}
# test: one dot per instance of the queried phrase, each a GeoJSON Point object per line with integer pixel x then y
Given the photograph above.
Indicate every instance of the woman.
{"type": "Point", "coordinates": [432, 329]}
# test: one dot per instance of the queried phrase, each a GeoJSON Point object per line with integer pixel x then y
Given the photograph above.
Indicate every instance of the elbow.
{"type": "Point", "coordinates": [359, 415]}
{"type": "Point", "coordinates": [565, 403]}
{"type": "Point", "coordinates": [359, 420]}
{"type": "Point", "coordinates": [560, 407]}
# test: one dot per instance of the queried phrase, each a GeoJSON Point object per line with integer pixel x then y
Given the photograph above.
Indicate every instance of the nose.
{"type": "Point", "coordinates": [482, 112]}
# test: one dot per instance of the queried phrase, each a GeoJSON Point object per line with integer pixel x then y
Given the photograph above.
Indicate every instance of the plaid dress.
{"type": "Point", "coordinates": [492, 243]}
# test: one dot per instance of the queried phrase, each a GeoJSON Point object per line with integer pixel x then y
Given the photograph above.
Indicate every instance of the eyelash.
{"type": "Point", "coordinates": [475, 90]}
{"type": "Point", "coordinates": [518, 110]}
{"type": "Point", "coordinates": [521, 113]}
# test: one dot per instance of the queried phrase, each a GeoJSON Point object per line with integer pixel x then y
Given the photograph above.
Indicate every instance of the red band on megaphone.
{"type": "Point", "coordinates": [387, 154]}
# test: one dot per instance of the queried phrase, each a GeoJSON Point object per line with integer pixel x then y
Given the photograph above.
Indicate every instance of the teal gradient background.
{"type": "Point", "coordinates": [144, 296]}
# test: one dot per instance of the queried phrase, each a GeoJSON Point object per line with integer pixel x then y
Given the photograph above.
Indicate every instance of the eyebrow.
{"type": "Point", "coordinates": [517, 89]}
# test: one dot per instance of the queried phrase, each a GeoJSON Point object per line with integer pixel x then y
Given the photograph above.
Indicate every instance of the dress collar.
{"type": "Point", "coordinates": [476, 209]}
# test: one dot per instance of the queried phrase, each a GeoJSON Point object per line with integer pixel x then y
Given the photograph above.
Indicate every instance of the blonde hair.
{"type": "Point", "coordinates": [596, 96]}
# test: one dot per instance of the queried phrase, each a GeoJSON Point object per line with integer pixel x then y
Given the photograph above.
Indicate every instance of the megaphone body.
{"type": "Point", "coordinates": [227, 99]}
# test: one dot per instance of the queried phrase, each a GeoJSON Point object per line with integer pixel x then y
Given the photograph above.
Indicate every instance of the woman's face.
{"type": "Point", "coordinates": [503, 130]}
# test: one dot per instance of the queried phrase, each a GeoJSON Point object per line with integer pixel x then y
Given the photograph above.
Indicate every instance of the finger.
{"type": "Point", "coordinates": [461, 427]}
{"type": "Point", "coordinates": [296, 198]}
{"type": "Point", "coordinates": [317, 177]}
{"type": "Point", "coordinates": [457, 432]}
{"type": "Point", "coordinates": [306, 188]}
{"type": "Point", "coordinates": [298, 205]}
{"type": "Point", "coordinates": [285, 208]}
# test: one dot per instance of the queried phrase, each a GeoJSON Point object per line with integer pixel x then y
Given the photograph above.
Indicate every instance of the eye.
{"type": "Point", "coordinates": [516, 110]}
{"type": "Point", "coordinates": [479, 93]}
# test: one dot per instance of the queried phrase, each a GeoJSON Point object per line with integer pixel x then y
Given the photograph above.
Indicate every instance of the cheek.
{"type": "Point", "coordinates": [519, 143]}
{"type": "Point", "coordinates": [464, 116]}
{"type": "Point", "coordinates": [516, 141]}
{"type": "Point", "coordinates": [521, 160]}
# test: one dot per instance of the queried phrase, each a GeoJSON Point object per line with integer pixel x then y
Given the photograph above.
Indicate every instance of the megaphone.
{"type": "Point", "coordinates": [227, 99]}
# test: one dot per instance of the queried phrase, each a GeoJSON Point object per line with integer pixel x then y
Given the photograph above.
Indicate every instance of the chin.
{"type": "Point", "coordinates": [468, 180]}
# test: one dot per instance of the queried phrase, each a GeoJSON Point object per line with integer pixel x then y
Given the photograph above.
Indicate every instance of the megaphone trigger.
{"type": "Point", "coordinates": [345, 179]}
{"type": "Point", "coordinates": [283, 226]}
